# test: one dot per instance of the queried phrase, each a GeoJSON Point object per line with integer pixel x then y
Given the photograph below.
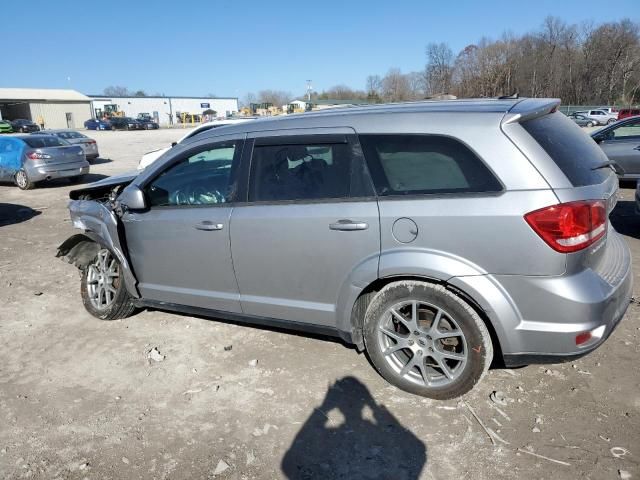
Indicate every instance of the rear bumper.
{"type": "Point", "coordinates": [64, 170]}
{"type": "Point", "coordinates": [554, 310]}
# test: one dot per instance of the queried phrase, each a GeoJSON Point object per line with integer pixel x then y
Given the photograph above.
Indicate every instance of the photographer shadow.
{"type": "Point", "coordinates": [367, 443]}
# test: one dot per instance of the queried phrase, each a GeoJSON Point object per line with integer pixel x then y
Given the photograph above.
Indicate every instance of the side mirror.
{"type": "Point", "coordinates": [173, 144]}
{"type": "Point", "coordinates": [597, 139]}
{"type": "Point", "coordinates": [131, 198]}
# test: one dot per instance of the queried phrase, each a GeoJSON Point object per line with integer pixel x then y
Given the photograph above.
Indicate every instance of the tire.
{"type": "Point", "coordinates": [99, 300]}
{"type": "Point", "coordinates": [21, 179]}
{"type": "Point", "coordinates": [610, 121]}
{"type": "Point", "coordinates": [589, 124]}
{"type": "Point", "coordinates": [405, 359]}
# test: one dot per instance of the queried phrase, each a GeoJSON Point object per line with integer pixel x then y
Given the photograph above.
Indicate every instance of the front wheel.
{"type": "Point", "coordinates": [611, 121]}
{"type": "Point", "coordinates": [426, 340]}
{"type": "Point", "coordinates": [589, 124]}
{"type": "Point", "coordinates": [104, 294]}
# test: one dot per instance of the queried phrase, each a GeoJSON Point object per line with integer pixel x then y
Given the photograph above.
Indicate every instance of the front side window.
{"type": "Point", "coordinates": [301, 171]}
{"type": "Point", "coordinates": [425, 164]}
{"type": "Point", "coordinates": [627, 131]}
{"type": "Point", "coordinates": [205, 177]}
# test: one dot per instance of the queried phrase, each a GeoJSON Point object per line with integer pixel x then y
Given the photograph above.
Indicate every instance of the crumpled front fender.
{"type": "Point", "coordinates": [102, 227]}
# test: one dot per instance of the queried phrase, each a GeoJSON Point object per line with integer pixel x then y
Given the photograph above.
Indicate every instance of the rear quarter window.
{"type": "Point", "coordinates": [575, 153]}
{"type": "Point", "coordinates": [425, 164]}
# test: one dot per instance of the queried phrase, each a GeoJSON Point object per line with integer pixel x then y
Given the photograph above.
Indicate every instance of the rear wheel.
{"type": "Point", "coordinates": [22, 180]}
{"type": "Point", "coordinates": [104, 294]}
{"type": "Point", "coordinates": [426, 340]}
{"type": "Point", "coordinates": [589, 124]}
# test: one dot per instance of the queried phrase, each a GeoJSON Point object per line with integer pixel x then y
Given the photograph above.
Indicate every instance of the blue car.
{"type": "Point", "coordinates": [93, 124]}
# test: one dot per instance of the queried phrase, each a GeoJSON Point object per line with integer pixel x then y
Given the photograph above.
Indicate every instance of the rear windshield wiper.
{"type": "Point", "coordinates": [610, 164]}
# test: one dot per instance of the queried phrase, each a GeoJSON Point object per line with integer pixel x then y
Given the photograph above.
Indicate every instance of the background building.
{"type": "Point", "coordinates": [58, 108]}
{"type": "Point", "coordinates": [165, 110]}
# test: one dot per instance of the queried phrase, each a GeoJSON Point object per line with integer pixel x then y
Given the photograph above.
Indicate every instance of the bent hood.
{"type": "Point", "coordinates": [109, 182]}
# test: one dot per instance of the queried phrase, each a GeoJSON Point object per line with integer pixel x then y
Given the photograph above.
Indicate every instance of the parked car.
{"type": "Point", "coordinates": [600, 116]}
{"type": "Point", "coordinates": [613, 111]}
{"type": "Point", "coordinates": [150, 157]}
{"type": "Point", "coordinates": [89, 145]}
{"type": "Point", "coordinates": [147, 124]}
{"type": "Point", "coordinates": [30, 159]}
{"type": "Point", "coordinates": [95, 124]}
{"type": "Point", "coordinates": [621, 143]}
{"type": "Point", "coordinates": [398, 228]}
{"type": "Point", "coordinates": [24, 126]}
{"type": "Point", "coordinates": [125, 123]}
{"type": "Point", "coordinates": [582, 120]}
{"type": "Point", "coordinates": [628, 112]}
{"type": "Point", "coordinates": [5, 126]}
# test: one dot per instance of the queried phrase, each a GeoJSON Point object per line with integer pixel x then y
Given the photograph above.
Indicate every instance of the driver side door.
{"type": "Point", "coordinates": [179, 247]}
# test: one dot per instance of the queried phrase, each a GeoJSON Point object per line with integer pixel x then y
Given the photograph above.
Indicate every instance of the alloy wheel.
{"type": "Point", "coordinates": [422, 343]}
{"type": "Point", "coordinates": [103, 280]}
{"type": "Point", "coordinates": [21, 179]}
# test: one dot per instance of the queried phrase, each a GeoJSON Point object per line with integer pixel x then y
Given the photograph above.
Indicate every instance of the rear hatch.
{"type": "Point", "coordinates": [587, 190]}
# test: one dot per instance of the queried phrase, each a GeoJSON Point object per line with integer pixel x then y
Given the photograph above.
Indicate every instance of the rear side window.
{"type": "Point", "coordinates": [44, 142]}
{"type": "Point", "coordinates": [425, 164]}
{"type": "Point", "coordinates": [571, 149]}
{"type": "Point", "coordinates": [305, 171]}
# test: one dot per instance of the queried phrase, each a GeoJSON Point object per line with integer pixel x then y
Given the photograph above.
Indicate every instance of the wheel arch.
{"type": "Point", "coordinates": [359, 308]}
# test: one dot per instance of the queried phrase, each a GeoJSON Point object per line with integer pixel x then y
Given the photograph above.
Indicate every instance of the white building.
{"type": "Point", "coordinates": [58, 108]}
{"type": "Point", "coordinates": [165, 109]}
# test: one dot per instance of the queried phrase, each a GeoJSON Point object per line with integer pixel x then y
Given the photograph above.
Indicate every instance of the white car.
{"type": "Point", "coordinates": [150, 157]}
{"type": "Point", "coordinates": [601, 117]}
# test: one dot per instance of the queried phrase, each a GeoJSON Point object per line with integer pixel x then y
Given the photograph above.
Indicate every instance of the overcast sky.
{"type": "Point", "coordinates": [231, 47]}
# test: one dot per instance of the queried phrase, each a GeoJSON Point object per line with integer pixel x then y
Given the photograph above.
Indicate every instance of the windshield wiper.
{"type": "Point", "coordinates": [610, 164]}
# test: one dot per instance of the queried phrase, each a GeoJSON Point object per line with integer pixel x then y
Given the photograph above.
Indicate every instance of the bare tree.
{"type": "Point", "coordinates": [275, 97]}
{"type": "Point", "coordinates": [439, 68]}
{"type": "Point", "coordinates": [117, 91]}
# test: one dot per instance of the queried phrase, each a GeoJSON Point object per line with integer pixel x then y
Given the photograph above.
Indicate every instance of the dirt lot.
{"type": "Point", "coordinates": [80, 399]}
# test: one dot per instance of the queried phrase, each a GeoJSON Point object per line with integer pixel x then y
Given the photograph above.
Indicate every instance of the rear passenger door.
{"type": "Point", "coordinates": [310, 220]}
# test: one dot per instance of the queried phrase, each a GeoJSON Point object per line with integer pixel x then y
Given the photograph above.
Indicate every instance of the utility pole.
{"type": "Point", "coordinates": [309, 88]}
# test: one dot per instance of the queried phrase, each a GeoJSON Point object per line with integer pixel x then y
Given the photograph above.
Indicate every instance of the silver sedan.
{"type": "Point", "coordinates": [89, 145]}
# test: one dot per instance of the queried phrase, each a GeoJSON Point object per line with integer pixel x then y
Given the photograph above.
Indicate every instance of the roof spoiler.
{"type": "Point", "coordinates": [531, 108]}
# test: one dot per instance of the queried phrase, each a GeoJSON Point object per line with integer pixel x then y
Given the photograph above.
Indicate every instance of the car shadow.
{"type": "Point", "coordinates": [11, 213]}
{"type": "Point", "coordinates": [99, 161]}
{"type": "Point", "coordinates": [352, 436]}
{"type": "Point", "coordinates": [61, 182]}
{"type": "Point", "coordinates": [625, 219]}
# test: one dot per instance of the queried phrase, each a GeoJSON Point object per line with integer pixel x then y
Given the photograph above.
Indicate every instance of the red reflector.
{"type": "Point", "coordinates": [583, 337]}
{"type": "Point", "coordinates": [570, 227]}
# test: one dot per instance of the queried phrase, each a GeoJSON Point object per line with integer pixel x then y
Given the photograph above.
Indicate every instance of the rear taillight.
{"type": "Point", "coordinates": [569, 227]}
{"type": "Point", "coordinates": [38, 156]}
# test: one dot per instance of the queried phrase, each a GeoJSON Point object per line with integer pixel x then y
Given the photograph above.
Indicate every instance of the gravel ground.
{"type": "Point", "coordinates": [79, 398]}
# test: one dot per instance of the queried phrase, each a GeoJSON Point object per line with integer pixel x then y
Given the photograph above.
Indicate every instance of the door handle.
{"type": "Point", "coordinates": [208, 226]}
{"type": "Point", "coordinates": [348, 225]}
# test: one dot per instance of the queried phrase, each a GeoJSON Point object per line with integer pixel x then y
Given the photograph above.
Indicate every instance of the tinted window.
{"type": "Point", "coordinates": [67, 135]}
{"type": "Point", "coordinates": [574, 152]}
{"type": "Point", "coordinates": [424, 164]}
{"type": "Point", "coordinates": [631, 129]}
{"type": "Point", "coordinates": [301, 172]}
{"type": "Point", "coordinates": [43, 142]}
{"type": "Point", "coordinates": [202, 178]}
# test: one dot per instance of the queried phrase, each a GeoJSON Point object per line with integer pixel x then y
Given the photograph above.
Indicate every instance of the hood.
{"type": "Point", "coordinates": [104, 184]}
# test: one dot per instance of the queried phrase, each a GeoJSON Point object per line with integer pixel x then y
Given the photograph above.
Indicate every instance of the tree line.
{"type": "Point", "coordinates": [581, 64]}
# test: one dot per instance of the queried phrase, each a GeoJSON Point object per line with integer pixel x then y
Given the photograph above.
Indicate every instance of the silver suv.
{"type": "Point", "coordinates": [437, 236]}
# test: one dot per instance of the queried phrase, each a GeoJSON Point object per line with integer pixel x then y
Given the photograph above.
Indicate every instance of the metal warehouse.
{"type": "Point", "coordinates": [165, 110]}
{"type": "Point", "coordinates": [57, 108]}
